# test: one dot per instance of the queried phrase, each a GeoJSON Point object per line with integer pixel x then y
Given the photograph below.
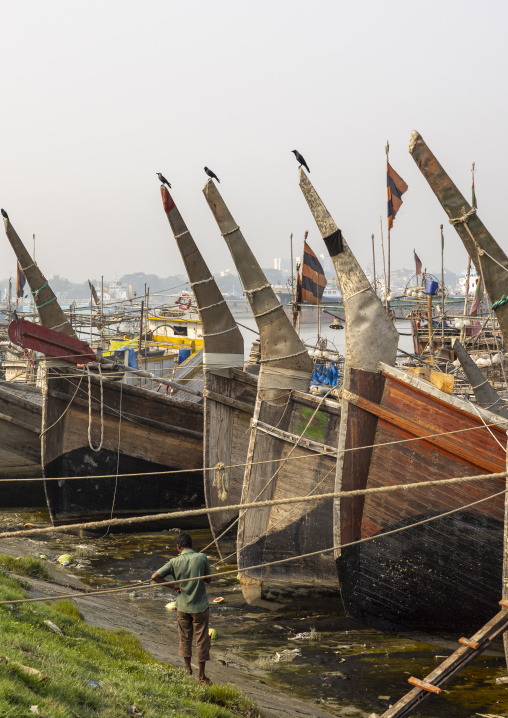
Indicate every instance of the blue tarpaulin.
{"type": "Point", "coordinates": [323, 376]}
{"type": "Point", "coordinates": [132, 362]}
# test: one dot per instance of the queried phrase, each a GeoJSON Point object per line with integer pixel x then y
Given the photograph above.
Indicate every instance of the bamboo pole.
{"type": "Point", "coordinates": [91, 313]}
{"type": "Point", "coordinates": [442, 288]}
{"type": "Point", "coordinates": [384, 263]}
{"type": "Point", "coordinates": [387, 150]}
{"type": "Point", "coordinates": [429, 321]}
{"type": "Point", "coordinates": [102, 310]}
{"type": "Point", "coordinates": [374, 263]}
{"type": "Point", "coordinates": [141, 325]}
{"type": "Point", "coordinates": [292, 269]}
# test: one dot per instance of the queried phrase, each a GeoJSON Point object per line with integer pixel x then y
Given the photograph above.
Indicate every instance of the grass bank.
{"type": "Point", "coordinates": [88, 671]}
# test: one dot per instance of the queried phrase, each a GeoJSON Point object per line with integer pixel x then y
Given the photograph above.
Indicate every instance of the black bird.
{"type": "Point", "coordinates": [300, 159]}
{"type": "Point", "coordinates": [212, 174]}
{"type": "Point", "coordinates": [163, 180]}
{"type": "Point", "coordinates": [4, 214]}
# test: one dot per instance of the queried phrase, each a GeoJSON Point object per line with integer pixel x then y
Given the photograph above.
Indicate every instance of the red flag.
{"type": "Point", "coordinates": [478, 296]}
{"type": "Point", "coordinates": [418, 263]}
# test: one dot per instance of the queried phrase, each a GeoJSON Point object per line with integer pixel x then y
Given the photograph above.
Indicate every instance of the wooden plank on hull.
{"type": "Point", "coordinates": [222, 399]}
{"type": "Point", "coordinates": [301, 441]}
{"type": "Point", "coordinates": [454, 446]}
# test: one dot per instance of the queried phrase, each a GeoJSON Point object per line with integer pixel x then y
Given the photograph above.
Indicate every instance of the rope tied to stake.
{"type": "Point", "coordinates": [465, 217]}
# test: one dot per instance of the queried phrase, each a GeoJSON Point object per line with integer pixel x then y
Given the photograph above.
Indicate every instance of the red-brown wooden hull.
{"type": "Point", "coordinates": [444, 574]}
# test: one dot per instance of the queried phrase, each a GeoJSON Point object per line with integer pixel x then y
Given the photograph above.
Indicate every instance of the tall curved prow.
{"type": "Point", "coordinates": [370, 338]}
{"type": "Point", "coordinates": [288, 424]}
{"type": "Point", "coordinates": [489, 259]}
{"type": "Point", "coordinates": [46, 303]}
{"type": "Point", "coordinates": [285, 363]}
{"type": "Point", "coordinates": [396, 431]}
{"type": "Point", "coordinates": [230, 393]}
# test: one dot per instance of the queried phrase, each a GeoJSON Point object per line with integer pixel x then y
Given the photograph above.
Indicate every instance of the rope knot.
{"type": "Point", "coordinates": [465, 217]}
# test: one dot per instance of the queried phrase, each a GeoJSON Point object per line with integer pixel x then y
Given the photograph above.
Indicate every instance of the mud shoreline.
{"type": "Point", "coordinates": [347, 670]}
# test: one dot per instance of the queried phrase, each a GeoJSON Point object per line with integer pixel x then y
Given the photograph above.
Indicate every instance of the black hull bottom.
{"type": "Point", "coordinates": [441, 578]}
{"type": "Point", "coordinates": [28, 494]}
{"type": "Point", "coordinates": [75, 500]}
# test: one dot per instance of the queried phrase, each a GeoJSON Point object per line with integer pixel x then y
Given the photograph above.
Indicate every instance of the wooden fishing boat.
{"type": "Point", "coordinates": [96, 425]}
{"type": "Point", "coordinates": [230, 392]}
{"type": "Point", "coordinates": [291, 449]}
{"type": "Point", "coordinates": [426, 558]}
{"type": "Point", "coordinates": [20, 445]}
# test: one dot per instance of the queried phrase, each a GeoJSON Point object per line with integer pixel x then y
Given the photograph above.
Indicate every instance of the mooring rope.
{"type": "Point", "coordinates": [281, 464]}
{"type": "Point", "coordinates": [90, 442]}
{"type": "Point", "coordinates": [44, 430]}
{"type": "Point", "coordinates": [268, 563]}
{"type": "Point", "coordinates": [254, 505]}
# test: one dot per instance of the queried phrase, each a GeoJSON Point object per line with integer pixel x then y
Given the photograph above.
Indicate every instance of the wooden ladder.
{"type": "Point", "coordinates": [470, 648]}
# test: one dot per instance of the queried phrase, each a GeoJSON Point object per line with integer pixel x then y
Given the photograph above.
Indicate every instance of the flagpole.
{"type": "Point", "coordinates": [384, 263]}
{"type": "Point", "coordinates": [292, 275]}
{"type": "Point", "coordinates": [91, 312]}
{"type": "Point", "coordinates": [374, 263]}
{"type": "Point", "coordinates": [442, 287]}
{"type": "Point", "coordinates": [387, 150]}
{"type": "Point", "coordinates": [102, 309]}
{"type": "Point", "coordinates": [466, 288]}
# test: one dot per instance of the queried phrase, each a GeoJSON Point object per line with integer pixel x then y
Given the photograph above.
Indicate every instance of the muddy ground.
{"type": "Point", "coordinates": [342, 669]}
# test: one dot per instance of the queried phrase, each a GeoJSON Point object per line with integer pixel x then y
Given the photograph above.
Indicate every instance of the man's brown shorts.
{"type": "Point", "coordinates": [189, 623]}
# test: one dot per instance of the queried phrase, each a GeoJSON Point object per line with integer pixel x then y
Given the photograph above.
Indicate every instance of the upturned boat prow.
{"type": "Point", "coordinates": [229, 393]}
{"type": "Point", "coordinates": [291, 450]}
{"type": "Point", "coordinates": [95, 426]}
{"type": "Point", "coordinates": [439, 569]}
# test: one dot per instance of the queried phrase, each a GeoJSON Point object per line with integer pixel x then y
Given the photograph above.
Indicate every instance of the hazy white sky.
{"type": "Point", "coordinates": [99, 96]}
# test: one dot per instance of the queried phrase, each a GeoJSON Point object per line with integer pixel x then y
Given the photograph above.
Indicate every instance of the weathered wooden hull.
{"type": "Point", "coordinates": [143, 433]}
{"type": "Point", "coordinates": [20, 445]}
{"type": "Point", "coordinates": [230, 397]}
{"type": "Point", "coordinates": [440, 576]}
{"type": "Point", "coordinates": [282, 532]}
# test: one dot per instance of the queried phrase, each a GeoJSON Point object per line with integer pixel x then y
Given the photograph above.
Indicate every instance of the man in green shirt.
{"type": "Point", "coordinates": [192, 610]}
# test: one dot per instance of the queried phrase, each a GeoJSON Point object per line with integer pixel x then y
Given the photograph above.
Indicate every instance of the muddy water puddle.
{"type": "Point", "coordinates": [314, 651]}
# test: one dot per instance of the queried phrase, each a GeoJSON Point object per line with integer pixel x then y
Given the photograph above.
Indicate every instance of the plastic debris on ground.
{"type": "Point", "coordinates": [65, 559]}
{"type": "Point", "coordinates": [300, 637]}
{"type": "Point", "coordinates": [54, 627]}
{"type": "Point", "coordinates": [287, 656]}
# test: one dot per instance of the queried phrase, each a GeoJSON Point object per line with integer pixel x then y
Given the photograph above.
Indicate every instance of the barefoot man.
{"type": "Point", "coordinates": [192, 610]}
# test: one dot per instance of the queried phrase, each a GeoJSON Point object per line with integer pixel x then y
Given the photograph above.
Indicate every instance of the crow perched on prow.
{"type": "Point", "coordinates": [300, 159]}
{"type": "Point", "coordinates": [212, 174]}
{"type": "Point", "coordinates": [163, 180]}
{"type": "Point", "coordinates": [4, 213]}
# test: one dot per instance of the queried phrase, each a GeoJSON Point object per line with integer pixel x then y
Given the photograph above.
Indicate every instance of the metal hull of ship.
{"type": "Point", "coordinates": [281, 532]}
{"type": "Point", "coordinates": [144, 434]}
{"type": "Point", "coordinates": [441, 576]}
